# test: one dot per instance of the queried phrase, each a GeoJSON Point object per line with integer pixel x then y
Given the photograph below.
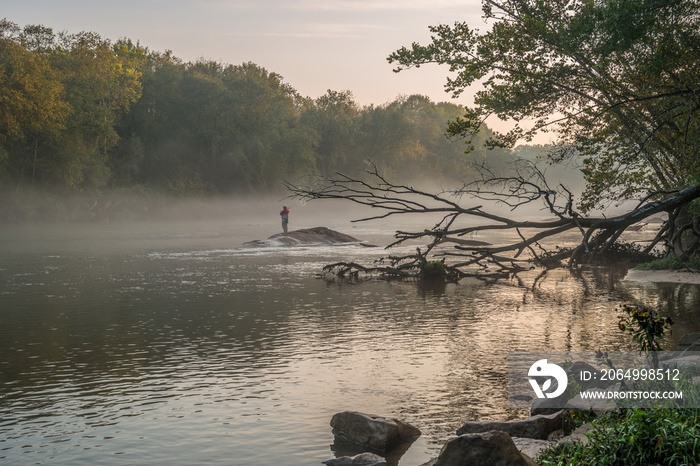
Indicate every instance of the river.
{"type": "Point", "coordinates": [169, 343]}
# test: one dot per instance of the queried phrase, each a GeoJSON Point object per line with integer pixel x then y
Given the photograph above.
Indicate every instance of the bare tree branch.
{"type": "Point", "coordinates": [479, 258]}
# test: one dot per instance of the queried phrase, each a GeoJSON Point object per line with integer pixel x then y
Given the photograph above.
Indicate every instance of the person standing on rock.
{"type": "Point", "coordinates": [285, 217]}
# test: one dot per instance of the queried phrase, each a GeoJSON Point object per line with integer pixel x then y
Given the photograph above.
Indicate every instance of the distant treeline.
{"type": "Point", "coordinates": [80, 112]}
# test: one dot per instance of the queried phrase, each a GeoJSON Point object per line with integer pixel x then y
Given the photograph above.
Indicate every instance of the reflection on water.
{"type": "Point", "coordinates": [241, 356]}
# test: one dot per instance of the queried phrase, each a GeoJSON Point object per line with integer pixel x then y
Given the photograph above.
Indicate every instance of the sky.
{"type": "Point", "coordinates": [315, 45]}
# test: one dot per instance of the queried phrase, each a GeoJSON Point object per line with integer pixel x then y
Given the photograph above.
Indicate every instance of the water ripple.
{"type": "Point", "coordinates": [199, 356]}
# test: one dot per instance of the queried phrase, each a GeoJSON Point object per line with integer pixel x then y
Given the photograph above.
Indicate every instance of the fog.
{"type": "Point", "coordinates": [207, 223]}
{"type": "Point", "coordinates": [120, 221]}
{"type": "Point", "coordinates": [220, 223]}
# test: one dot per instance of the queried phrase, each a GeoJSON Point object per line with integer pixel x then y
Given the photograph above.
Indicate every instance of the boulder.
{"type": "Point", "coordinates": [557, 434]}
{"type": "Point", "coordinates": [592, 405]}
{"type": "Point", "coordinates": [666, 355]}
{"type": "Point", "coordinates": [532, 447]}
{"type": "Point", "coordinates": [687, 340]}
{"type": "Point", "coordinates": [536, 427]}
{"type": "Point", "coordinates": [310, 236]}
{"type": "Point", "coordinates": [546, 406]}
{"type": "Point", "coordinates": [363, 459]}
{"type": "Point", "coordinates": [493, 448]}
{"type": "Point", "coordinates": [577, 436]}
{"type": "Point", "coordinates": [375, 432]}
{"type": "Point", "coordinates": [688, 363]}
{"type": "Point", "coordinates": [694, 347]}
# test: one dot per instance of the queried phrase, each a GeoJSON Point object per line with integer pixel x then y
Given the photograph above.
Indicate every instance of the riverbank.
{"type": "Point", "coordinates": [663, 276]}
{"type": "Point", "coordinates": [606, 430]}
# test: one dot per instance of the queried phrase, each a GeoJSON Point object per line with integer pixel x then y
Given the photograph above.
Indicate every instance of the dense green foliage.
{"type": "Point", "coordinates": [665, 433]}
{"type": "Point", "coordinates": [617, 79]}
{"type": "Point", "coordinates": [671, 263]}
{"type": "Point", "coordinates": [635, 437]}
{"type": "Point", "coordinates": [79, 112]}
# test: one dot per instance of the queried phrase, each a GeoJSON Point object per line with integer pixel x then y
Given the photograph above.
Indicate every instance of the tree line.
{"type": "Point", "coordinates": [78, 111]}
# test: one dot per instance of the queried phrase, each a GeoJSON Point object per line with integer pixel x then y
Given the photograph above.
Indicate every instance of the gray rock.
{"type": "Point", "coordinates": [688, 363]}
{"type": "Point", "coordinates": [687, 340]}
{"type": "Point", "coordinates": [363, 459]}
{"type": "Point", "coordinates": [592, 405]}
{"type": "Point", "coordinates": [309, 236]}
{"type": "Point", "coordinates": [556, 435]}
{"type": "Point", "coordinates": [536, 427]}
{"type": "Point", "coordinates": [493, 448]}
{"type": "Point", "coordinates": [693, 348]}
{"type": "Point", "coordinates": [532, 447]}
{"type": "Point", "coordinates": [374, 432]}
{"type": "Point", "coordinates": [577, 436]}
{"type": "Point", "coordinates": [666, 355]}
{"type": "Point", "coordinates": [546, 406]}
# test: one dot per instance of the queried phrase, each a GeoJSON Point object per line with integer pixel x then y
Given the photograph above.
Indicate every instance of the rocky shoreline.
{"type": "Point", "coordinates": [506, 443]}
{"type": "Point", "coordinates": [516, 442]}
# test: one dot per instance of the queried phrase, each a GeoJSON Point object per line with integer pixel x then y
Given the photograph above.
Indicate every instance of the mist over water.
{"type": "Point", "coordinates": [167, 342]}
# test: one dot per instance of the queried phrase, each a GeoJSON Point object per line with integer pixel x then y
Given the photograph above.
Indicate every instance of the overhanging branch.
{"type": "Point", "coordinates": [479, 258]}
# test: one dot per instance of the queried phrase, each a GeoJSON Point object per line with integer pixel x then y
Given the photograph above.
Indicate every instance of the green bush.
{"type": "Point", "coordinates": [435, 270]}
{"type": "Point", "coordinates": [670, 263]}
{"type": "Point", "coordinates": [634, 437]}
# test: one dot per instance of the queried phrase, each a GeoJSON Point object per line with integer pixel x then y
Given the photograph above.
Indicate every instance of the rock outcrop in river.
{"type": "Point", "coordinates": [382, 434]}
{"type": "Point", "coordinates": [309, 236]}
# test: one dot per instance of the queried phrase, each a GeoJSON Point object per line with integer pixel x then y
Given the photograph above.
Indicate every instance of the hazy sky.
{"type": "Point", "coordinates": [314, 45]}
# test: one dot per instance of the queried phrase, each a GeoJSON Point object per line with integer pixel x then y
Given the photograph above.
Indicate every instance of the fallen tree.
{"type": "Point", "coordinates": [599, 235]}
{"type": "Point", "coordinates": [616, 83]}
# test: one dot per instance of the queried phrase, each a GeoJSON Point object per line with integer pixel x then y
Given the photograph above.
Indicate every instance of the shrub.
{"type": "Point", "coordinates": [634, 437]}
{"type": "Point", "coordinates": [671, 263]}
{"type": "Point", "coordinates": [435, 270]}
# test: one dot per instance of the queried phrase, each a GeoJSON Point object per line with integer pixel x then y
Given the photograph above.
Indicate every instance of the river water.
{"type": "Point", "coordinates": [168, 343]}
